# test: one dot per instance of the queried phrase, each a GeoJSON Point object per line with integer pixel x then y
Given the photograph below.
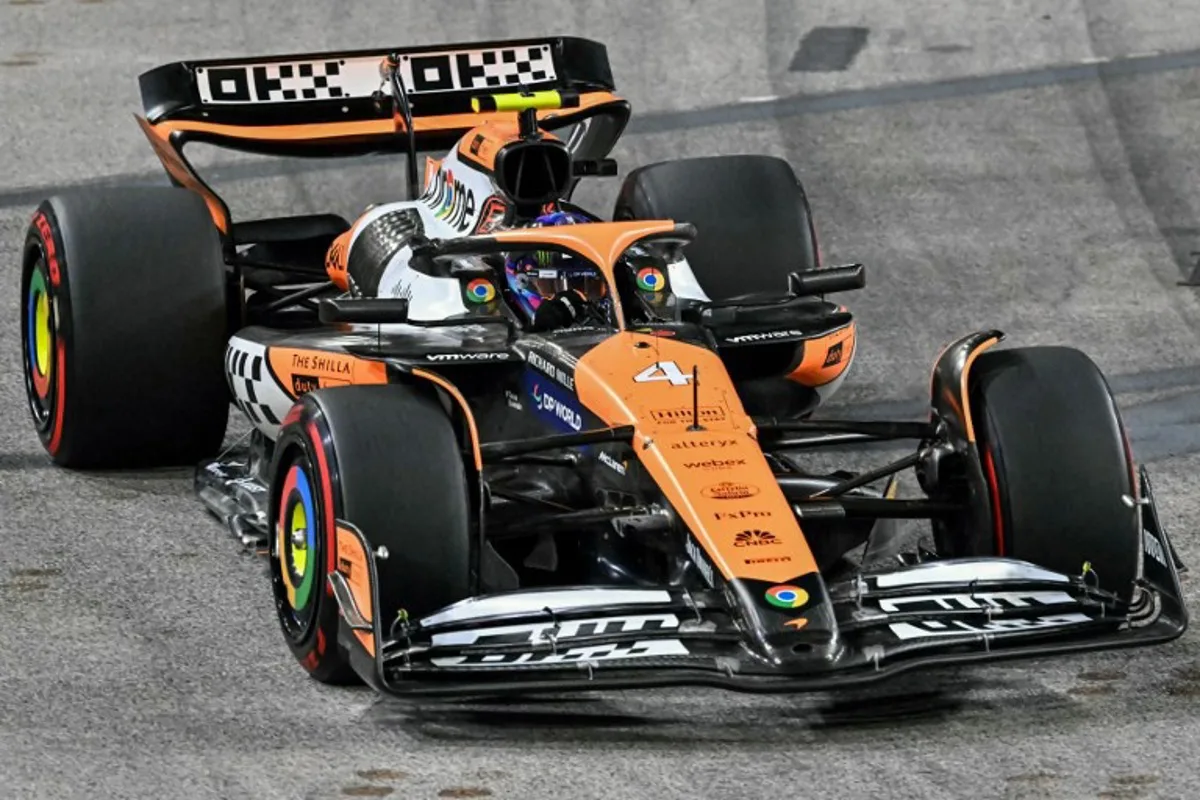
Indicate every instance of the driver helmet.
{"type": "Point", "coordinates": [538, 276]}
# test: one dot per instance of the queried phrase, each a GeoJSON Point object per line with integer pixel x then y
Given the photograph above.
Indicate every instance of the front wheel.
{"type": "Point", "coordinates": [1057, 464]}
{"type": "Point", "coordinates": [385, 459]}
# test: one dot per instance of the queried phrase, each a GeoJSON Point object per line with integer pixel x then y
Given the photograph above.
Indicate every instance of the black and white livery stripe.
{"type": "Point", "coordinates": [255, 391]}
{"type": "Point", "coordinates": [356, 77]}
{"type": "Point", "coordinates": [477, 70]}
{"type": "Point", "coordinates": [289, 82]}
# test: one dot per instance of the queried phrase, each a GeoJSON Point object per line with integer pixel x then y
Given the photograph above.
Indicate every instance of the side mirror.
{"type": "Point", "coordinates": [602, 167]}
{"type": "Point", "coordinates": [827, 281]}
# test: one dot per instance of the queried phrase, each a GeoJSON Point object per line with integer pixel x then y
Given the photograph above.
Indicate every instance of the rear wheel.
{"type": "Point", "coordinates": [385, 459]}
{"type": "Point", "coordinates": [124, 327]}
{"type": "Point", "coordinates": [753, 222]}
{"type": "Point", "coordinates": [1056, 463]}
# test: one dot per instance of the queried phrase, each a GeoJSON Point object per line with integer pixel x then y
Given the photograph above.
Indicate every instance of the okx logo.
{"type": "Point", "coordinates": [560, 411]}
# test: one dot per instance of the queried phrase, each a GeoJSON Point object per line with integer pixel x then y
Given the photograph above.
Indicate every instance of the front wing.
{"type": "Point", "coordinates": [939, 613]}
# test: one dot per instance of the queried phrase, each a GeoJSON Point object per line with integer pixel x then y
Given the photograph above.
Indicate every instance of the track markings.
{"type": "Point", "coordinates": [22, 59]}
{"type": "Point", "coordinates": [367, 791]}
{"type": "Point", "coordinates": [829, 49]}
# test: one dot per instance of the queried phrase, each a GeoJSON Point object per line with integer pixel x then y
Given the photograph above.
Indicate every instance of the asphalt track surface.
{"type": "Point", "coordinates": [1023, 165]}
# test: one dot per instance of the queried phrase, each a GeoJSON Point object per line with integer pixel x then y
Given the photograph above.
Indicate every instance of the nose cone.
{"type": "Point", "coordinates": [790, 624]}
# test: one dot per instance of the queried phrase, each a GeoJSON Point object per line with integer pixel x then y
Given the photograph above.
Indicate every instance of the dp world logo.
{"type": "Point", "coordinates": [550, 406]}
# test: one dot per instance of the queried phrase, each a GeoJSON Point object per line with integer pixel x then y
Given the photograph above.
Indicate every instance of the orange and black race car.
{"type": "Point", "coordinates": [499, 443]}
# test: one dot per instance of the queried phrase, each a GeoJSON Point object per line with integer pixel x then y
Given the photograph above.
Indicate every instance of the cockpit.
{"type": "Point", "coordinates": [548, 289]}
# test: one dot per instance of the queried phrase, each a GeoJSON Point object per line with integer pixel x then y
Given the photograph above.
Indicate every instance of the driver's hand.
{"type": "Point", "coordinates": [560, 311]}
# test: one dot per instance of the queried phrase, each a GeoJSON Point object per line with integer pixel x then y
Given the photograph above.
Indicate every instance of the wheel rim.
{"type": "Point", "coordinates": [41, 336]}
{"type": "Point", "coordinates": [297, 545]}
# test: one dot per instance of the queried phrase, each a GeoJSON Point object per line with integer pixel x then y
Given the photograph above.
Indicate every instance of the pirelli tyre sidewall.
{"type": "Point", "coordinates": [304, 501]}
{"type": "Point", "coordinates": [45, 329]}
{"type": "Point", "coordinates": [123, 319]}
{"type": "Point", "coordinates": [1057, 464]}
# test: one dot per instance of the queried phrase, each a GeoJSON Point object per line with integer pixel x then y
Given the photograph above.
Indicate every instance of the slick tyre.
{"type": "Point", "coordinates": [1057, 464]}
{"type": "Point", "coordinates": [753, 221]}
{"type": "Point", "coordinates": [385, 459]}
{"type": "Point", "coordinates": [123, 328]}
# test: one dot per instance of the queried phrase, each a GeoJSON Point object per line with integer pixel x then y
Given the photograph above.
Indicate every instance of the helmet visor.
{"type": "Point", "coordinates": [549, 281]}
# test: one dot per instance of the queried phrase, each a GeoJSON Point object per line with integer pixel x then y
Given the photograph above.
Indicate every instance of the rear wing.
{"type": "Point", "coordinates": [339, 103]}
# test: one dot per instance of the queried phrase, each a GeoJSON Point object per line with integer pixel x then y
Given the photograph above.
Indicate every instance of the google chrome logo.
{"type": "Point", "coordinates": [481, 290]}
{"type": "Point", "coordinates": [650, 279]}
{"type": "Point", "coordinates": [787, 596]}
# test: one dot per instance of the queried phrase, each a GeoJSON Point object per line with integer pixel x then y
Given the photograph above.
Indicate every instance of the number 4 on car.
{"type": "Point", "coordinates": [663, 371]}
{"type": "Point", "coordinates": [500, 442]}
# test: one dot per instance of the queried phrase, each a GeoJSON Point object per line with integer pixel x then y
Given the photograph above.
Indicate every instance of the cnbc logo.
{"type": "Point", "coordinates": [754, 539]}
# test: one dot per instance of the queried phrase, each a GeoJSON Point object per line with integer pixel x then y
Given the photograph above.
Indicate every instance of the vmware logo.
{"type": "Point", "coordinates": [549, 405]}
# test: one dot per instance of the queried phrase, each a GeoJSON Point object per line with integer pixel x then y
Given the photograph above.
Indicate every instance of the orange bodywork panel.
{"type": "Point", "coordinates": [182, 172]}
{"type": "Point", "coordinates": [601, 242]}
{"type": "Point", "coordinates": [484, 142]}
{"type": "Point", "coordinates": [825, 357]}
{"type": "Point", "coordinates": [357, 130]}
{"type": "Point", "coordinates": [717, 478]}
{"type": "Point", "coordinates": [481, 145]}
{"type": "Point", "coordinates": [352, 563]}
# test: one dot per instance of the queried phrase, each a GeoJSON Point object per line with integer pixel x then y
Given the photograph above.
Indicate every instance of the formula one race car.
{"type": "Point", "coordinates": [501, 444]}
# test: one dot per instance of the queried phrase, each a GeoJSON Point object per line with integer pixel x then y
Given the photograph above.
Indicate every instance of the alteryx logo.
{"type": "Point", "coordinates": [560, 411]}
